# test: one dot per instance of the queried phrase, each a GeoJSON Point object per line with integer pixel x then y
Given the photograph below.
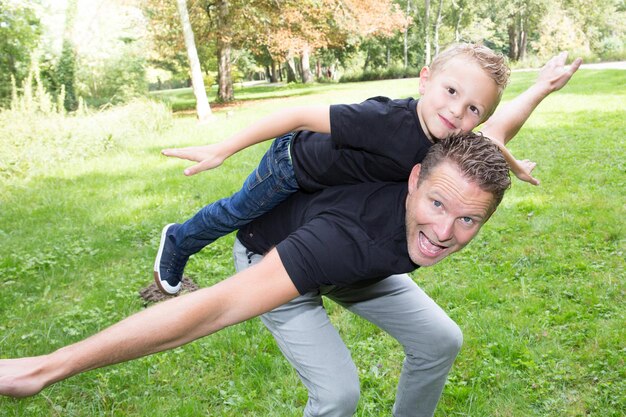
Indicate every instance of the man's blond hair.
{"type": "Point", "coordinates": [494, 64]}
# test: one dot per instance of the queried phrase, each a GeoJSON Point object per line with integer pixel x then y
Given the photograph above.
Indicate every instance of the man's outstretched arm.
{"type": "Point", "coordinates": [164, 326]}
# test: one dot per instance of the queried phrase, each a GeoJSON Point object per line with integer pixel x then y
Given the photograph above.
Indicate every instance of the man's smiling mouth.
{"type": "Point", "coordinates": [428, 247]}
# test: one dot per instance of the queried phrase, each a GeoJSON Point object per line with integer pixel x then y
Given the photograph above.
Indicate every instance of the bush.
{"type": "Point", "coordinates": [612, 49]}
{"type": "Point", "coordinates": [114, 80]}
{"type": "Point", "coordinates": [391, 73]}
{"type": "Point", "coordinates": [33, 141]}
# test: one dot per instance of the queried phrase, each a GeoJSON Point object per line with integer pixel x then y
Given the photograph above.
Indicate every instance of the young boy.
{"type": "Point", "coordinates": [377, 140]}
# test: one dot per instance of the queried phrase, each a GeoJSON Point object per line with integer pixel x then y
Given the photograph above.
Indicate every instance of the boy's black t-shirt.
{"type": "Point", "coordinates": [345, 235]}
{"type": "Point", "coordinates": [377, 140]}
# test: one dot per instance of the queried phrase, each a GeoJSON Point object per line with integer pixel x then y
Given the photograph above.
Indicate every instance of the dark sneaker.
{"type": "Point", "coordinates": [169, 263]}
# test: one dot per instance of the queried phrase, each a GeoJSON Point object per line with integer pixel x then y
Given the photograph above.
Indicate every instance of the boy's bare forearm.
{"type": "Point", "coordinates": [506, 122]}
{"type": "Point", "coordinates": [508, 119]}
{"type": "Point", "coordinates": [313, 118]}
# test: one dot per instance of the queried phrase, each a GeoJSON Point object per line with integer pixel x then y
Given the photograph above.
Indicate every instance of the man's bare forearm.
{"type": "Point", "coordinates": [164, 326]}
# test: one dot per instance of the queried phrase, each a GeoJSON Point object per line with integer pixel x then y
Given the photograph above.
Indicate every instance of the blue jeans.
{"type": "Point", "coordinates": [270, 184]}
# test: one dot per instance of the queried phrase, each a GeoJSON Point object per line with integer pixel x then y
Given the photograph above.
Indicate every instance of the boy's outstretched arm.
{"type": "Point", "coordinates": [504, 124]}
{"type": "Point", "coordinates": [313, 118]}
{"type": "Point", "coordinates": [508, 118]}
{"type": "Point", "coordinates": [164, 326]}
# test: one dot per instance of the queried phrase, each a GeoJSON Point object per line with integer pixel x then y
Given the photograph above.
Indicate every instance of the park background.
{"type": "Point", "coordinates": [91, 91]}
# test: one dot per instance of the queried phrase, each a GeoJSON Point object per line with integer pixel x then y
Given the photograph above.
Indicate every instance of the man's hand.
{"type": "Point", "coordinates": [22, 377]}
{"type": "Point", "coordinates": [207, 157]}
{"type": "Point", "coordinates": [554, 75]}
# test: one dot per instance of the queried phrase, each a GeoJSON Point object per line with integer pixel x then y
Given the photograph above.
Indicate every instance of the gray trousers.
{"type": "Point", "coordinates": [430, 339]}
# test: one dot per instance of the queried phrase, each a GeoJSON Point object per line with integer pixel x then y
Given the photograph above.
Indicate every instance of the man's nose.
{"type": "Point", "coordinates": [444, 229]}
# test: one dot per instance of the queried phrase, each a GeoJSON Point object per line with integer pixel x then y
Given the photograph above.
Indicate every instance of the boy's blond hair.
{"type": "Point", "coordinates": [494, 64]}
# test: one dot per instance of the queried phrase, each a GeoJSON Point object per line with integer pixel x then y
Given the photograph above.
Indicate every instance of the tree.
{"type": "Point", "coordinates": [66, 75]}
{"type": "Point", "coordinates": [427, 32]}
{"type": "Point", "coordinates": [438, 21]}
{"type": "Point", "coordinates": [223, 33]}
{"type": "Point", "coordinates": [20, 32]}
{"type": "Point", "coordinates": [202, 103]}
{"type": "Point", "coordinates": [303, 27]}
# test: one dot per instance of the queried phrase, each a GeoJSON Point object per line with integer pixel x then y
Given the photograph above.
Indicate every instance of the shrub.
{"type": "Point", "coordinates": [391, 73]}
{"type": "Point", "coordinates": [114, 80]}
{"type": "Point", "coordinates": [32, 141]}
{"type": "Point", "coordinates": [612, 48]}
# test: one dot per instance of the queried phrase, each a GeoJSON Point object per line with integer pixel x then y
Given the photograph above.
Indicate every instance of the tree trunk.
{"type": "Point", "coordinates": [367, 60]}
{"type": "Point", "coordinates": [291, 69]}
{"type": "Point", "coordinates": [273, 77]}
{"type": "Point", "coordinates": [406, 37]}
{"type": "Point", "coordinates": [437, 26]}
{"type": "Point", "coordinates": [427, 32]}
{"type": "Point", "coordinates": [224, 78]}
{"type": "Point", "coordinates": [521, 48]}
{"type": "Point", "coordinates": [203, 109]}
{"type": "Point", "coordinates": [307, 76]}
{"type": "Point", "coordinates": [457, 25]}
{"type": "Point", "coordinates": [512, 41]}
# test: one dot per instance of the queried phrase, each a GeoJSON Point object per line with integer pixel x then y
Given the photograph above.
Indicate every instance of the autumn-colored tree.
{"type": "Point", "coordinates": [303, 27]}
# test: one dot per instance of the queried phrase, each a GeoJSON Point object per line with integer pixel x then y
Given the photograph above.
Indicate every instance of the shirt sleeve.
{"type": "Point", "coordinates": [325, 252]}
{"type": "Point", "coordinates": [366, 126]}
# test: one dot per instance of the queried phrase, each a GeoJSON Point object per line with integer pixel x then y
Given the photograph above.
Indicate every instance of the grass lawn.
{"type": "Point", "coordinates": [539, 293]}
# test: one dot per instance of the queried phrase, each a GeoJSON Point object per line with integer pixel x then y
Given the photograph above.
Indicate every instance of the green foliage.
{"type": "Point", "coordinates": [34, 138]}
{"type": "Point", "coordinates": [34, 99]}
{"type": "Point", "coordinates": [66, 75]}
{"type": "Point", "coordinates": [20, 30]}
{"type": "Point", "coordinates": [539, 294]}
{"type": "Point", "coordinates": [391, 73]}
{"type": "Point", "coordinates": [116, 79]}
{"type": "Point", "coordinates": [612, 48]}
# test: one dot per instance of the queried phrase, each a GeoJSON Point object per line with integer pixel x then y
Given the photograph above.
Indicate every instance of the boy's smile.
{"type": "Point", "coordinates": [455, 99]}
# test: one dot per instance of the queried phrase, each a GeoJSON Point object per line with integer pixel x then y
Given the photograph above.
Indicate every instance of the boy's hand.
{"type": "Point", "coordinates": [207, 157]}
{"type": "Point", "coordinates": [554, 75]}
{"type": "Point", "coordinates": [523, 170]}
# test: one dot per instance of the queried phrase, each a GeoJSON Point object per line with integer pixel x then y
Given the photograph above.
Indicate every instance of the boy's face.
{"type": "Point", "coordinates": [455, 99]}
{"type": "Point", "coordinates": [443, 213]}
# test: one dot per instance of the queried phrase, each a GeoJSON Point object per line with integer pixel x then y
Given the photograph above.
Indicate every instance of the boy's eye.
{"type": "Point", "coordinates": [451, 90]}
{"type": "Point", "coordinates": [474, 110]}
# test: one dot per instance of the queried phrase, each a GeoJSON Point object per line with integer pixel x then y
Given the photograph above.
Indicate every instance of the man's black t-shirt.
{"type": "Point", "coordinates": [345, 235]}
{"type": "Point", "coordinates": [377, 140]}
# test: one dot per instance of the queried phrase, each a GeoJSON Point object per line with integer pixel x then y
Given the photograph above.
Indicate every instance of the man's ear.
{"type": "Point", "coordinates": [414, 177]}
{"type": "Point", "coordinates": [424, 74]}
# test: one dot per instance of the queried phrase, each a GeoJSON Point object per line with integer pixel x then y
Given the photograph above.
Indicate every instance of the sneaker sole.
{"type": "Point", "coordinates": [163, 285]}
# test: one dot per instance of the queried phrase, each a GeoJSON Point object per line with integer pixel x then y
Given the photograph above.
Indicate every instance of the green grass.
{"type": "Point", "coordinates": [539, 294]}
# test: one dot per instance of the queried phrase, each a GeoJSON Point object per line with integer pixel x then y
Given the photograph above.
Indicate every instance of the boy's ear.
{"type": "Point", "coordinates": [424, 74]}
{"type": "Point", "coordinates": [414, 177]}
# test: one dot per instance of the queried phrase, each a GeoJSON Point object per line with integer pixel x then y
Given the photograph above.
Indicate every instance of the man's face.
{"type": "Point", "coordinates": [455, 99]}
{"type": "Point", "coordinates": [443, 214]}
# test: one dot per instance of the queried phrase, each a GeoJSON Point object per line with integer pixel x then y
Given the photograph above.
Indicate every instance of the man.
{"type": "Point", "coordinates": [437, 213]}
{"type": "Point", "coordinates": [343, 242]}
